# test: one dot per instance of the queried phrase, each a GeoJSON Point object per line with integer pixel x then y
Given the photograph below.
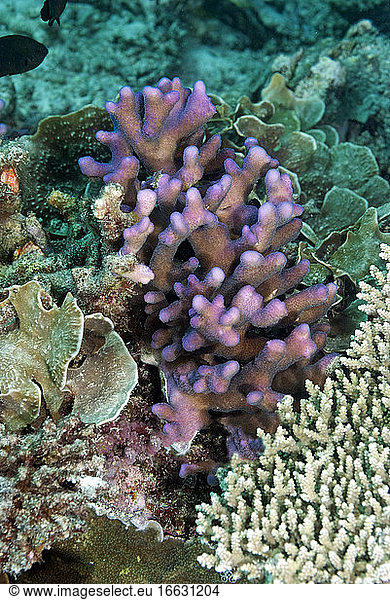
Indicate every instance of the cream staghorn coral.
{"type": "Point", "coordinates": [315, 508]}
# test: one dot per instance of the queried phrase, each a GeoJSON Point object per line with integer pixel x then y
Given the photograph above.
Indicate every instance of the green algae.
{"type": "Point", "coordinates": [360, 249]}
{"type": "Point", "coordinates": [349, 252]}
{"type": "Point", "coordinates": [341, 208]}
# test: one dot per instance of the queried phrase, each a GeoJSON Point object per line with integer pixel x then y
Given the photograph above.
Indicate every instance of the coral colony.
{"type": "Point", "coordinates": [192, 239]}
{"type": "Point", "coordinates": [228, 329]}
{"type": "Point", "coordinates": [314, 508]}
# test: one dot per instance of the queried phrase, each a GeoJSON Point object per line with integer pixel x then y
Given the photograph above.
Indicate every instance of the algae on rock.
{"type": "Point", "coordinates": [108, 551]}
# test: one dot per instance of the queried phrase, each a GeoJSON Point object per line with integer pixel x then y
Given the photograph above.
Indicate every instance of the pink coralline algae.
{"type": "Point", "coordinates": [126, 444]}
{"type": "Point", "coordinates": [230, 324]}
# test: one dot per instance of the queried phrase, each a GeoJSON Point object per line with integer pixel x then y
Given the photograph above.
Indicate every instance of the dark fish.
{"type": "Point", "coordinates": [19, 54]}
{"type": "Point", "coordinates": [52, 9]}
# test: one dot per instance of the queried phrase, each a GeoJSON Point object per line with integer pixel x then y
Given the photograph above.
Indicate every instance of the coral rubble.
{"type": "Point", "coordinates": [294, 22]}
{"type": "Point", "coordinates": [141, 30]}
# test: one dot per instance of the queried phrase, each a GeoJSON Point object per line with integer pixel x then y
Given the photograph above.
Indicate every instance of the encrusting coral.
{"type": "Point", "coordinates": [45, 480]}
{"type": "Point", "coordinates": [314, 508]}
{"type": "Point", "coordinates": [110, 551]}
{"type": "Point", "coordinates": [215, 310]}
{"type": "Point", "coordinates": [13, 226]}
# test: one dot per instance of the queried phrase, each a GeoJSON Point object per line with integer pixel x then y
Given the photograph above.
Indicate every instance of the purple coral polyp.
{"type": "Point", "coordinates": [230, 333]}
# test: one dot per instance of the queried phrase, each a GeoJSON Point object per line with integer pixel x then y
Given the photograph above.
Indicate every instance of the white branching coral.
{"type": "Point", "coordinates": [316, 506]}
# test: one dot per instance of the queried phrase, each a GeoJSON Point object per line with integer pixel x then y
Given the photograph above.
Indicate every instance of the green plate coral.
{"type": "Point", "coordinates": [38, 342]}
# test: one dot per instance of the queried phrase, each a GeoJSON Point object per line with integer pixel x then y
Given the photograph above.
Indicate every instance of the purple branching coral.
{"type": "Point", "coordinates": [229, 332]}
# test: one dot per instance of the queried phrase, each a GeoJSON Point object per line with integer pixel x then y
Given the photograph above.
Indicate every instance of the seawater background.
{"type": "Point", "coordinates": [233, 45]}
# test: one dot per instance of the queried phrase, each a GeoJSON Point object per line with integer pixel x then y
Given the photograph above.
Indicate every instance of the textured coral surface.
{"type": "Point", "coordinates": [315, 507]}
{"type": "Point", "coordinates": [207, 240]}
{"type": "Point", "coordinates": [229, 330]}
{"type": "Point", "coordinates": [41, 489]}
